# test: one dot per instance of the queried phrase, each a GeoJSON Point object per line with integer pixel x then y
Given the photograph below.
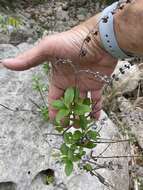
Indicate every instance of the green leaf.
{"type": "Point", "coordinates": [61, 114]}
{"type": "Point", "coordinates": [69, 96]}
{"type": "Point", "coordinates": [77, 157]}
{"type": "Point", "coordinates": [68, 138]}
{"type": "Point", "coordinates": [64, 149]}
{"type": "Point", "coordinates": [87, 101]}
{"type": "Point", "coordinates": [64, 159]}
{"type": "Point", "coordinates": [92, 135]}
{"type": "Point", "coordinates": [77, 135]}
{"type": "Point", "coordinates": [58, 104]}
{"type": "Point", "coordinates": [44, 113]}
{"type": "Point", "coordinates": [81, 109]}
{"type": "Point", "coordinates": [70, 154]}
{"type": "Point", "coordinates": [89, 145]}
{"type": "Point", "coordinates": [46, 67]}
{"type": "Point", "coordinates": [80, 101]}
{"type": "Point", "coordinates": [69, 167]}
{"type": "Point", "coordinates": [59, 129]}
{"type": "Point", "coordinates": [73, 147]}
{"type": "Point", "coordinates": [81, 151]}
{"type": "Point", "coordinates": [87, 167]}
{"type": "Point", "coordinates": [83, 122]}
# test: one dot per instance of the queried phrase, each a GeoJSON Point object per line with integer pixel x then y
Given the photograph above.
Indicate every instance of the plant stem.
{"type": "Point", "coordinates": [109, 157]}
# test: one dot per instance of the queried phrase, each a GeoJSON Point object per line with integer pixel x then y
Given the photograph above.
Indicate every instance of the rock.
{"type": "Point", "coordinates": [7, 186]}
{"type": "Point", "coordinates": [81, 3]}
{"type": "Point", "coordinates": [49, 12]}
{"type": "Point", "coordinates": [26, 153]}
{"type": "Point", "coordinates": [19, 36]}
{"type": "Point", "coordinates": [7, 51]}
{"type": "Point", "coordinates": [82, 14]}
{"type": "Point", "coordinates": [62, 14]}
{"type": "Point", "coordinates": [24, 46]}
{"type": "Point", "coordinates": [128, 81]}
{"type": "Point", "coordinates": [21, 146]}
{"type": "Point", "coordinates": [65, 6]}
{"type": "Point", "coordinates": [132, 117]}
{"type": "Point", "coordinates": [82, 11]}
{"type": "Point", "coordinates": [73, 23]}
{"type": "Point", "coordinates": [78, 3]}
{"type": "Point", "coordinates": [4, 39]}
{"type": "Point", "coordinates": [81, 17]}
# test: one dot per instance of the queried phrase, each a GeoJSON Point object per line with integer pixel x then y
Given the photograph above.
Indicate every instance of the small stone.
{"type": "Point", "coordinates": [61, 14]}
{"type": "Point", "coordinates": [64, 19]}
{"type": "Point", "coordinates": [82, 3]}
{"type": "Point", "coordinates": [65, 6]}
{"type": "Point", "coordinates": [4, 39]}
{"type": "Point", "coordinates": [73, 23]}
{"type": "Point", "coordinates": [81, 17]}
{"type": "Point", "coordinates": [49, 12]}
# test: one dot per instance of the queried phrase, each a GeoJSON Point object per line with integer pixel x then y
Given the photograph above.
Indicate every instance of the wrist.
{"type": "Point", "coordinates": [103, 25]}
{"type": "Point", "coordinates": [92, 25]}
{"type": "Point", "coordinates": [128, 27]}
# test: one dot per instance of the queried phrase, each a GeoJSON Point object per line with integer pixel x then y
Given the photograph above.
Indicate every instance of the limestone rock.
{"type": "Point", "coordinates": [129, 80]}
{"type": "Point", "coordinates": [65, 6]}
{"type": "Point", "coordinates": [4, 39]}
{"type": "Point", "coordinates": [133, 118]}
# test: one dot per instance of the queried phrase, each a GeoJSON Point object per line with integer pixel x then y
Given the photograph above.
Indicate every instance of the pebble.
{"type": "Point", "coordinates": [81, 17]}
{"type": "Point", "coordinates": [65, 6]}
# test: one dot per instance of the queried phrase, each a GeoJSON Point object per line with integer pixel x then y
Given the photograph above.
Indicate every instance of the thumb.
{"type": "Point", "coordinates": [48, 47]}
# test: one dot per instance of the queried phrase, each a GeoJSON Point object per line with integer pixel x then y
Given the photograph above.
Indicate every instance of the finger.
{"type": "Point", "coordinates": [96, 97]}
{"type": "Point", "coordinates": [83, 94]}
{"type": "Point", "coordinates": [49, 47]}
{"type": "Point", "coordinates": [54, 94]}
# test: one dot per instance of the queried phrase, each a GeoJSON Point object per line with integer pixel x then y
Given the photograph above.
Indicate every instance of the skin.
{"type": "Point", "coordinates": [68, 44]}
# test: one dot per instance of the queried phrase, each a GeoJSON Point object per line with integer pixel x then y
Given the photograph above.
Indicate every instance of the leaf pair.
{"type": "Point", "coordinates": [64, 105]}
{"type": "Point", "coordinates": [81, 109]}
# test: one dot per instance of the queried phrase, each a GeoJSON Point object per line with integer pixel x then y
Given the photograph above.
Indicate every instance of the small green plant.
{"type": "Point", "coordinates": [140, 183]}
{"type": "Point", "coordinates": [74, 111]}
{"type": "Point", "coordinates": [73, 122]}
{"type": "Point", "coordinates": [39, 86]}
{"type": "Point", "coordinates": [46, 68]}
{"type": "Point", "coordinates": [49, 179]}
{"type": "Point", "coordinates": [44, 113]}
{"type": "Point", "coordinates": [8, 22]}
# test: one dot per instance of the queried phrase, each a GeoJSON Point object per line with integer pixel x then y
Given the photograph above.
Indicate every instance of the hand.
{"type": "Point", "coordinates": [67, 45]}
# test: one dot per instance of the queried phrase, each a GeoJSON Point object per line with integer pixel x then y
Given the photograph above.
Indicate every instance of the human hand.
{"type": "Point", "coordinates": [67, 45]}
